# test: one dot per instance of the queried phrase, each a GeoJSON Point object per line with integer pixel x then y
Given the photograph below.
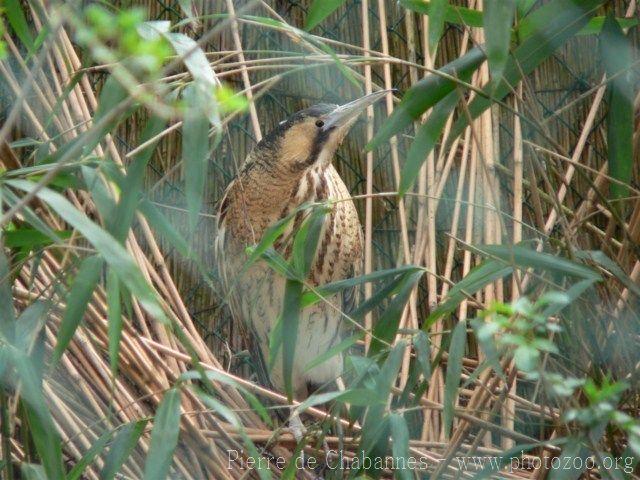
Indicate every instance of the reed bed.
{"type": "Point", "coordinates": [532, 170]}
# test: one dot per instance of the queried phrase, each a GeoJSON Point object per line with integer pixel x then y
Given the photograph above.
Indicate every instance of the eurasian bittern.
{"type": "Point", "coordinates": [290, 166]}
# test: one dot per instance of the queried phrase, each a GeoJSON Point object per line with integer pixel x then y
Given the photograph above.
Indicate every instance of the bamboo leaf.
{"type": "Point", "coordinates": [389, 371]}
{"type": "Point", "coordinates": [122, 446]}
{"type": "Point", "coordinates": [305, 242]}
{"type": "Point", "coordinates": [31, 471]}
{"type": "Point", "coordinates": [84, 284]}
{"type": "Point", "coordinates": [30, 238]}
{"type": "Point", "coordinates": [7, 313]}
{"type": "Point", "coordinates": [551, 26]}
{"type": "Point", "coordinates": [454, 372]}
{"type": "Point", "coordinates": [616, 55]}
{"type": "Point", "coordinates": [43, 430]}
{"type": "Point", "coordinates": [605, 262]}
{"type": "Point", "coordinates": [111, 94]}
{"type": "Point", "coordinates": [574, 449]}
{"type": "Point", "coordinates": [485, 273]}
{"type": "Point", "coordinates": [272, 233]}
{"type": "Point", "coordinates": [164, 437]}
{"type": "Point", "coordinates": [335, 350]}
{"type": "Point", "coordinates": [221, 409]}
{"type": "Point", "coordinates": [13, 10]}
{"type": "Point", "coordinates": [164, 228]}
{"type": "Point", "coordinates": [120, 222]}
{"type": "Point", "coordinates": [425, 94]}
{"type": "Point", "coordinates": [319, 10]}
{"type": "Point", "coordinates": [423, 353]}
{"type": "Point", "coordinates": [400, 444]}
{"type": "Point", "coordinates": [453, 13]}
{"type": "Point", "coordinates": [522, 257]}
{"type": "Point", "coordinates": [290, 322]}
{"type": "Point", "coordinates": [468, 17]}
{"type": "Point", "coordinates": [425, 140]}
{"type": "Point", "coordinates": [87, 459]}
{"type": "Point", "coordinates": [318, 399]}
{"type": "Point", "coordinates": [114, 254]}
{"type": "Point", "coordinates": [437, 14]}
{"type": "Point", "coordinates": [115, 319]}
{"type": "Point", "coordinates": [195, 152]}
{"type": "Point", "coordinates": [329, 289]}
{"type": "Point", "coordinates": [498, 17]}
{"type": "Point", "coordinates": [29, 325]}
{"type": "Point", "coordinates": [386, 327]}
{"type": "Point", "coordinates": [491, 468]}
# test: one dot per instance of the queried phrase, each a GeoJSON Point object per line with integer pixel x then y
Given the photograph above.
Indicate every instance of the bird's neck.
{"type": "Point", "coordinates": [265, 197]}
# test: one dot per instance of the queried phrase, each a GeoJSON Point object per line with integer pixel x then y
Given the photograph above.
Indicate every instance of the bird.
{"type": "Point", "coordinates": [289, 167]}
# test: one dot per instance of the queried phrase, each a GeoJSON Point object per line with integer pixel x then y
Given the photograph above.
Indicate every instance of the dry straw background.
{"type": "Point", "coordinates": [480, 191]}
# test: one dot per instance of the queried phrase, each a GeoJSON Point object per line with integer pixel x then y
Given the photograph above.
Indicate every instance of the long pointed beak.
{"type": "Point", "coordinates": [347, 112]}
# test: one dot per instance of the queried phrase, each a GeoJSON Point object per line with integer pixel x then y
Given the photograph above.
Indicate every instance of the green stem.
{"type": "Point", "coordinates": [6, 434]}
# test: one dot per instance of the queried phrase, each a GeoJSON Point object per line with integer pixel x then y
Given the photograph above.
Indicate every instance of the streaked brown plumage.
{"type": "Point", "coordinates": [290, 166]}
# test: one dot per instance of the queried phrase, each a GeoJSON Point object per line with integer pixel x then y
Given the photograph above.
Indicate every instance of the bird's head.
{"type": "Point", "coordinates": [310, 137]}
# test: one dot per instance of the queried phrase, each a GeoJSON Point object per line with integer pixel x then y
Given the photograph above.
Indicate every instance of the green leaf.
{"type": "Point", "coordinates": [400, 444]}
{"type": "Point", "coordinates": [389, 371]}
{"type": "Point", "coordinates": [469, 17]}
{"type": "Point", "coordinates": [217, 406]}
{"type": "Point", "coordinates": [29, 325]}
{"type": "Point", "coordinates": [617, 56]}
{"type": "Point", "coordinates": [31, 471]}
{"type": "Point", "coordinates": [522, 257]}
{"type": "Point", "coordinates": [318, 399]}
{"type": "Point", "coordinates": [290, 322]}
{"type": "Point", "coordinates": [550, 27]}
{"type": "Point", "coordinates": [453, 13]}
{"type": "Point", "coordinates": [123, 215]}
{"type": "Point", "coordinates": [485, 273]}
{"type": "Point", "coordinates": [423, 353]}
{"type": "Point", "coordinates": [13, 10]}
{"type": "Point", "coordinates": [96, 449]}
{"type": "Point", "coordinates": [335, 350]}
{"type": "Point", "coordinates": [454, 373]}
{"type": "Point", "coordinates": [43, 430]}
{"type": "Point", "coordinates": [164, 228]}
{"type": "Point", "coordinates": [164, 437]}
{"type": "Point", "coordinates": [319, 10]}
{"type": "Point", "coordinates": [31, 238]}
{"type": "Point", "coordinates": [195, 152]}
{"type": "Point", "coordinates": [574, 449]}
{"type": "Point", "coordinates": [498, 17]}
{"type": "Point", "coordinates": [437, 13]}
{"type": "Point", "coordinates": [323, 291]}
{"type": "Point", "coordinates": [605, 262]}
{"type": "Point", "coordinates": [113, 253]}
{"type": "Point", "coordinates": [386, 327]}
{"type": "Point", "coordinates": [272, 233]}
{"type": "Point", "coordinates": [7, 313]}
{"type": "Point", "coordinates": [596, 24]}
{"type": "Point", "coordinates": [491, 469]}
{"type": "Point", "coordinates": [305, 242]}
{"type": "Point", "coordinates": [84, 284]}
{"type": "Point", "coordinates": [122, 446]}
{"type": "Point", "coordinates": [115, 319]}
{"type": "Point", "coordinates": [425, 140]}
{"type": "Point", "coordinates": [98, 189]}
{"type": "Point", "coordinates": [426, 93]}
{"type": "Point", "coordinates": [111, 94]}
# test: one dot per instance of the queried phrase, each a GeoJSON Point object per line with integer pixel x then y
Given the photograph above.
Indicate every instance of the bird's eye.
{"type": "Point", "coordinates": [319, 123]}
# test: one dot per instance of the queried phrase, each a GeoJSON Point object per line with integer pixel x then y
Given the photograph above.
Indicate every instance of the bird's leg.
{"type": "Point", "coordinates": [295, 425]}
{"type": "Point", "coordinates": [298, 430]}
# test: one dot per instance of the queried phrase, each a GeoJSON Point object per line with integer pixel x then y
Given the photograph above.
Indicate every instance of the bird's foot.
{"type": "Point", "coordinates": [298, 430]}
